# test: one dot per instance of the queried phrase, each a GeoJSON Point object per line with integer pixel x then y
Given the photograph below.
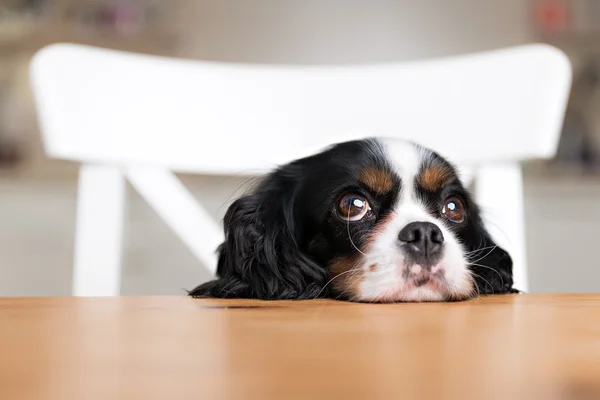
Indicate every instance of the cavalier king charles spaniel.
{"type": "Point", "coordinates": [374, 220]}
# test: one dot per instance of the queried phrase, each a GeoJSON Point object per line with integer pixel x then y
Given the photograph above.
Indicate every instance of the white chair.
{"type": "Point", "coordinates": [141, 117]}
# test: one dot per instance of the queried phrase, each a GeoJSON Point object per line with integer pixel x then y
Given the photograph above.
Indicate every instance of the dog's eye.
{"type": "Point", "coordinates": [454, 210]}
{"type": "Point", "coordinates": [353, 207]}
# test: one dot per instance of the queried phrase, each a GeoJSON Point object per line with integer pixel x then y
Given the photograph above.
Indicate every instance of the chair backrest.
{"type": "Point", "coordinates": [106, 106]}
{"type": "Point", "coordinates": [144, 115]}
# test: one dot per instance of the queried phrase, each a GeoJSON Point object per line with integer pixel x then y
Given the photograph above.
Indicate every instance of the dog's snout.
{"type": "Point", "coordinates": [423, 241]}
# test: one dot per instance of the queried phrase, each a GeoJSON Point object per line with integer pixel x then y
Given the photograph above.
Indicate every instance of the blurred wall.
{"type": "Point", "coordinates": [347, 31]}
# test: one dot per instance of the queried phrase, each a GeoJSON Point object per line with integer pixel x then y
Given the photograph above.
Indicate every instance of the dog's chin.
{"type": "Point", "coordinates": [423, 294]}
{"type": "Point", "coordinates": [418, 290]}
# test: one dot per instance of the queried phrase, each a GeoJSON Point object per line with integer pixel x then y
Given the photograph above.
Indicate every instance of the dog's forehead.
{"type": "Point", "coordinates": [384, 166]}
{"type": "Point", "coordinates": [414, 165]}
{"type": "Point", "coordinates": [404, 157]}
{"type": "Point", "coordinates": [426, 169]}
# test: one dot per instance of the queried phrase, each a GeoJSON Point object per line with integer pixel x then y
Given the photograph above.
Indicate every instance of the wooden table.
{"type": "Point", "coordinates": [505, 347]}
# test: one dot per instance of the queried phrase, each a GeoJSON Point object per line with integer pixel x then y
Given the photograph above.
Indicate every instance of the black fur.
{"type": "Point", "coordinates": [260, 257]}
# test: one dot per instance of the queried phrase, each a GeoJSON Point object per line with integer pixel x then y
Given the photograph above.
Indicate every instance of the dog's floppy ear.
{"type": "Point", "coordinates": [492, 267]}
{"type": "Point", "coordinates": [260, 257]}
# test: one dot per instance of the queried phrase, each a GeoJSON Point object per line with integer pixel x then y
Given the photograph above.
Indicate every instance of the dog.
{"type": "Point", "coordinates": [371, 220]}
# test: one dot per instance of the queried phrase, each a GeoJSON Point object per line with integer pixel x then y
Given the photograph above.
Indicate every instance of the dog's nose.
{"type": "Point", "coordinates": [422, 241]}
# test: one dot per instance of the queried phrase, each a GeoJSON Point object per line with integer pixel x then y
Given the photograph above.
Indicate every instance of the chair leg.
{"type": "Point", "coordinates": [174, 203]}
{"type": "Point", "coordinates": [99, 231]}
{"type": "Point", "coordinates": [499, 192]}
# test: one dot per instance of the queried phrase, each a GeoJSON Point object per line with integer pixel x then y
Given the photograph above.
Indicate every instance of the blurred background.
{"type": "Point", "coordinates": [37, 196]}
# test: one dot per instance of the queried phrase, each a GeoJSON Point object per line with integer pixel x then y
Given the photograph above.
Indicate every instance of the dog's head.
{"type": "Point", "coordinates": [377, 220]}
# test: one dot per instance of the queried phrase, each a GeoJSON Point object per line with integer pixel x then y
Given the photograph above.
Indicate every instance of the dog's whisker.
{"type": "Point", "coordinates": [487, 254]}
{"type": "Point", "coordinates": [492, 269]}
{"type": "Point", "coordinates": [483, 279]}
{"type": "Point", "coordinates": [350, 236]}
{"type": "Point", "coordinates": [355, 269]}
{"type": "Point", "coordinates": [479, 250]}
{"type": "Point", "coordinates": [351, 271]}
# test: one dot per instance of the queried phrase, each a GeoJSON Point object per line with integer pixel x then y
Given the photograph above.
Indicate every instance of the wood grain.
{"type": "Point", "coordinates": [504, 347]}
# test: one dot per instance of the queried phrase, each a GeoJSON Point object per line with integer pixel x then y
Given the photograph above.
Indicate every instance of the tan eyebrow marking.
{"type": "Point", "coordinates": [435, 177]}
{"type": "Point", "coordinates": [378, 180]}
